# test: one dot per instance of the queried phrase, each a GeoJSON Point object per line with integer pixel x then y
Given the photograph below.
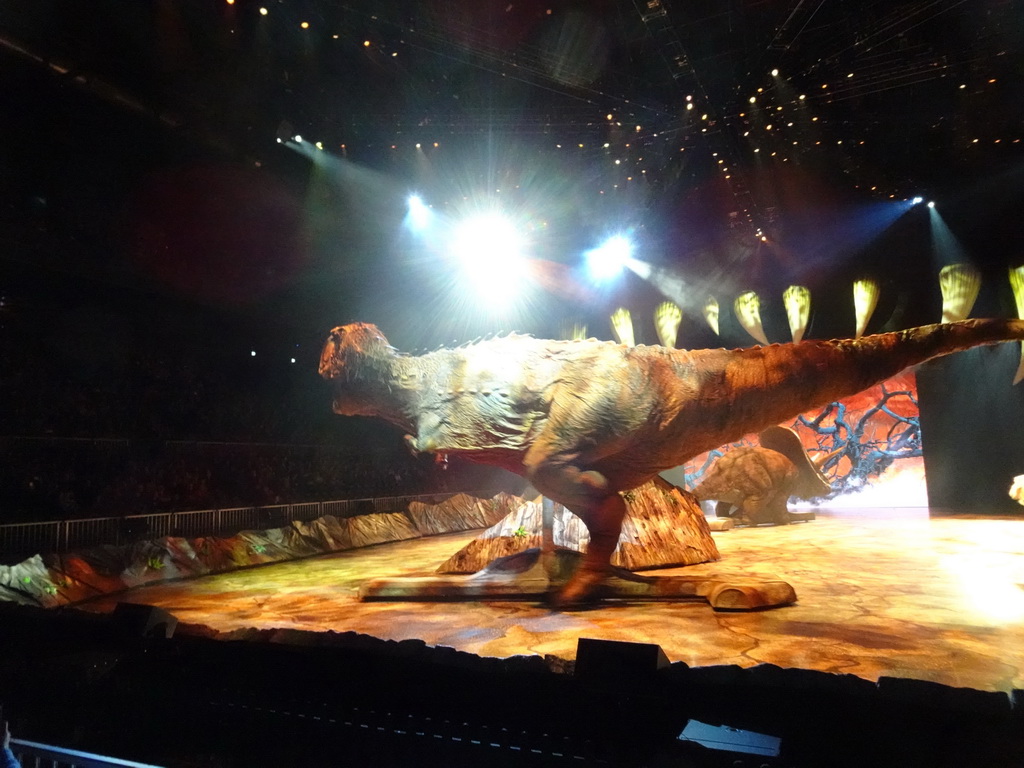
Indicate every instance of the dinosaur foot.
{"type": "Point", "coordinates": [584, 589]}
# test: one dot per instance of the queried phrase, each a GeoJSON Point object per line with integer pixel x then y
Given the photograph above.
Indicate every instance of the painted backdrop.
{"type": "Point", "coordinates": [881, 463]}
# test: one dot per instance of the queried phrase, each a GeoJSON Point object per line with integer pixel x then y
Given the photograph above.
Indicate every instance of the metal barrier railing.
{"type": "Point", "coordinates": [31, 754]}
{"type": "Point", "coordinates": [59, 536]}
{"type": "Point", "coordinates": [31, 537]}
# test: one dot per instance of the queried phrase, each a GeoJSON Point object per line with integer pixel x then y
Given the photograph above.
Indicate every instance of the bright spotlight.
{"type": "Point", "coordinates": [918, 200]}
{"type": "Point", "coordinates": [419, 213]}
{"type": "Point", "coordinates": [931, 203]}
{"type": "Point", "coordinates": [775, 73]}
{"type": "Point", "coordinates": [607, 261]}
{"type": "Point", "coordinates": [490, 252]}
{"type": "Point", "coordinates": [298, 139]}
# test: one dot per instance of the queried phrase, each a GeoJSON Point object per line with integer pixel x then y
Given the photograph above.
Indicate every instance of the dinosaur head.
{"type": "Point", "coordinates": [355, 359]}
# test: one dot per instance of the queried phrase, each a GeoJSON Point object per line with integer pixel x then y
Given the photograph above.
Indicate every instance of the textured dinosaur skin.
{"type": "Point", "coordinates": [755, 482]}
{"type": "Point", "coordinates": [586, 420]}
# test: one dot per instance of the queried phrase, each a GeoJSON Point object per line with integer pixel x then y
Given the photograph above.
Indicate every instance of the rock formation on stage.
{"type": "Point", "coordinates": [52, 579]}
{"type": "Point", "coordinates": [664, 526]}
{"type": "Point", "coordinates": [753, 483]}
{"type": "Point", "coordinates": [587, 420]}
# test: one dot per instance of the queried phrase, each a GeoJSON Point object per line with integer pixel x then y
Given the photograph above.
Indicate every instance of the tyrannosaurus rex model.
{"type": "Point", "coordinates": [586, 420]}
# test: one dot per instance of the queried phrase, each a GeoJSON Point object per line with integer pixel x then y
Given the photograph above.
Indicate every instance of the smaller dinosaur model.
{"type": "Point", "coordinates": [753, 484]}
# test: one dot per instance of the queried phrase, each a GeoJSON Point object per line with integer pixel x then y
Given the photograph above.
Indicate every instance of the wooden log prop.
{"type": "Point", "coordinates": [664, 527]}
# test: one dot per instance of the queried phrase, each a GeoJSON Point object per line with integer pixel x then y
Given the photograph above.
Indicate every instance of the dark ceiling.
{"type": "Point", "coordinates": [140, 152]}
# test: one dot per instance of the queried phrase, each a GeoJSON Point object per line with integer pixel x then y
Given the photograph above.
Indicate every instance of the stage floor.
{"type": "Point", "coordinates": [880, 593]}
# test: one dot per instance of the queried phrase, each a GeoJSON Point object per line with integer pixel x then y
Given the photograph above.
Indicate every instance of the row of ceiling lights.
{"type": "Point", "coordinates": [689, 106]}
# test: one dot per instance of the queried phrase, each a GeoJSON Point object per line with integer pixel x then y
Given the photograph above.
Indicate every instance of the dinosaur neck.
{"type": "Point", "coordinates": [754, 388]}
{"type": "Point", "coordinates": [382, 385]}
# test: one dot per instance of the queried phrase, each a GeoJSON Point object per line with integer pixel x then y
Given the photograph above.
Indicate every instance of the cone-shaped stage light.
{"type": "Point", "coordinates": [622, 327]}
{"type": "Point", "coordinates": [960, 284]}
{"type": "Point", "coordinates": [711, 313]}
{"type": "Point", "coordinates": [748, 311]}
{"type": "Point", "coordinates": [865, 299]}
{"type": "Point", "coordinates": [573, 330]}
{"type": "Point", "coordinates": [667, 317]}
{"type": "Point", "coordinates": [798, 309]}
{"type": "Point", "coordinates": [1017, 283]}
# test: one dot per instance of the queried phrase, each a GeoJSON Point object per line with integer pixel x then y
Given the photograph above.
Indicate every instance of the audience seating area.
{"type": "Point", "coordinates": [101, 416]}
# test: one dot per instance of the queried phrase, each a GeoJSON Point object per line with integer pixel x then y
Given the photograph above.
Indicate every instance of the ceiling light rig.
{"type": "Point", "coordinates": [780, 97]}
{"type": "Point", "coordinates": [663, 31]}
{"type": "Point", "coordinates": [889, 68]}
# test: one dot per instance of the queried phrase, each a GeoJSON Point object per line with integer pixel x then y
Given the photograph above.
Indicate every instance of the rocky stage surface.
{"type": "Point", "coordinates": [664, 527]}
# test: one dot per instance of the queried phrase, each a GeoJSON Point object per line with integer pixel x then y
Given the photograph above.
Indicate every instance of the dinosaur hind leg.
{"type": "Point", "coordinates": [766, 508]}
{"type": "Point", "coordinates": [777, 510]}
{"type": "Point", "coordinates": [604, 522]}
{"type": "Point", "coordinates": [586, 493]}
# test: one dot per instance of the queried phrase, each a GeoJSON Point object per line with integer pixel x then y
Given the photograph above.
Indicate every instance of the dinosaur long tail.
{"type": "Point", "coordinates": [767, 385]}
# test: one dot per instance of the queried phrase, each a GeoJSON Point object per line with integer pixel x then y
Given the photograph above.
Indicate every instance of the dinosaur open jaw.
{"type": "Point", "coordinates": [340, 409]}
{"type": "Point", "coordinates": [347, 402]}
{"type": "Point", "coordinates": [340, 396]}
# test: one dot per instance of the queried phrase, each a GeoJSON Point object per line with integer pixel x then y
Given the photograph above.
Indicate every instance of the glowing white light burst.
{"type": "Point", "coordinates": [988, 579]}
{"type": "Point", "coordinates": [490, 253]}
{"type": "Point", "coordinates": [419, 214]}
{"type": "Point", "coordinates": [608, 260]}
